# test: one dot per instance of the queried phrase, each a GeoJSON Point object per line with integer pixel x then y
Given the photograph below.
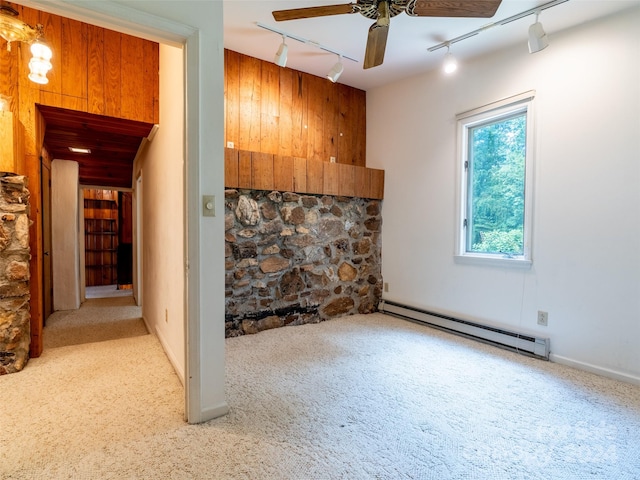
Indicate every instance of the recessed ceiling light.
{"type": "Point", "coordinates": [79, 150]}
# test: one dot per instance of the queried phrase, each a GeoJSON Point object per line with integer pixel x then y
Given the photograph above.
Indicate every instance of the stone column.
{"type": "Point", "coordinates": [15, 331]}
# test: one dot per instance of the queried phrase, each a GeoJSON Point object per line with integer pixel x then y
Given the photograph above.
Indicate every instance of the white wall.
{"type": "Point", "coordinates": [163, 220]}
{"type": "Point", "coordinates": [65, 258]}
{"type": "Point", "coordinates": [586, 230]}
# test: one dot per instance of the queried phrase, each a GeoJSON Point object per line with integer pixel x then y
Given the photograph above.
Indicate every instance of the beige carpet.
{"type": "Point", "coordinates": [98, 320]}
{"type": "Point", "coordinates": [362, 397]}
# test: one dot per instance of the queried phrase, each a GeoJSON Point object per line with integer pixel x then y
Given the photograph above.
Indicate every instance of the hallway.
{"type": "Point", "coordinates": [97, 320]}
{"type": "Point", "coordinates": [101, 380]}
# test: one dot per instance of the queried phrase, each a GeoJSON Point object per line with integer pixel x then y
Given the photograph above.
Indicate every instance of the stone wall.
{"type": "Point", "coordinates": [14, 273]}
{"type": "Point", "coordinates": [293, 259]}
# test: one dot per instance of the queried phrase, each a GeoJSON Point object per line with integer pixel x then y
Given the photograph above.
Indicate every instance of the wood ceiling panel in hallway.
{"type": "Point", "coordinates": [114, 143]}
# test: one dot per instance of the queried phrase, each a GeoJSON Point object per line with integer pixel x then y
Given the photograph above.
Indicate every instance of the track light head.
{"type": "Point", "coordinates": [537, 37]}
{"type": "Point", "coordinates": [281, 55]}
{"type": "Point", "coordinates": [450, 64]}
{"type": "Point", "coordinates": [336, 71]}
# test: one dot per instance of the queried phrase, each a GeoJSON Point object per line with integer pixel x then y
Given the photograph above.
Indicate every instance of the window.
{"type": "Point", "coordinates": [495, 165]}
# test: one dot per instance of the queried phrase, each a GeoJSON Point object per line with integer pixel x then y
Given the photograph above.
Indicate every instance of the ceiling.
{"type": "Point", "coordinates": [408, 41]}
{"type": "Point", "coordinates": [114, 143]}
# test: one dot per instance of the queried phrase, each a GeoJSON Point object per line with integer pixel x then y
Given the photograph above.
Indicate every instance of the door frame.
{"type": "Point", "coordinates": [204, 172]}
{"type": "Point", "coordinates": [47, 270]}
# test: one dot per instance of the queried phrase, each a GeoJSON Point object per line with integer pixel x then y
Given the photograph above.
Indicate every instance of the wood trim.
{"type": "Point", "coordinates": [260, 171]}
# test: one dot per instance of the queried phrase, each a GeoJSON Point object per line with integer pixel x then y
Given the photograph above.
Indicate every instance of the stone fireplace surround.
{"type": "Point", "coordinates": [14, 273]}
{"type": "Point", "coordinates": [296, 258]}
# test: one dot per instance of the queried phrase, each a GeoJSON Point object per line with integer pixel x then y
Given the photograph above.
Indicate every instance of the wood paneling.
{"type": "Point", "coordinates": [11, 143]}
{"type": "Point", "coordinates": [331, 179]}
{"type": "Point", "coordinates": [132, 78]}
{"type": "Point", "coordinates": [231, 168]}
{"type": "Point", "coordinates": [250, 115]}
{"type": "Point", "coordinates": [74, 59]}
{"type": "Point", "coordinates": [361, 182]}
{"type": "Point", "coordinates": [232, 97]}
{"type": "Point", "coordinates": [376, 183]}
{"type": "Point", "coordinates": [299, 174]}
{"type": "Point", "coordinates": [244, 169]}
{"type": "Point", "coordinates": [292, 114]}
{"type": "Point", "coordinates": [315, 176]}
{"type": "Point", "coordinates": [347, 180]}
{"type": "Point", "coordinates": [112, 80]}
{"type": "Point", "coordinates": [283, 173]}
{"type": "Point", "coordinates": [95, 71]}
{"type": "Point", "coordinates": [261, 171]}
{"type": "Point", "coordinates": [53, 26]}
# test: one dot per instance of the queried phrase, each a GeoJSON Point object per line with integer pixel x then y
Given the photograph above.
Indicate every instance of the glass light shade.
{"type": "Point", "coordinates": [450, 63]}
{"type": "Point", "coordinates": [41, 50]}
{"type": "Point", "coordinates": [39, 64]}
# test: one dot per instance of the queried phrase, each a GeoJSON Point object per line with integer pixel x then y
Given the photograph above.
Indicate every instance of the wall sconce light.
{"type": "Point", "coordinates": [450, 64]}
{"type": "Point", "coordinates": [537, 37]}
{"type": "Point", "coordinates": [281, 55]}
{"type": "Point", "coordinates": [40, 63]}
{"type": "Point", "coordinates": [336, 70]}
{"type": "Point", "coordinates": [14, 30]}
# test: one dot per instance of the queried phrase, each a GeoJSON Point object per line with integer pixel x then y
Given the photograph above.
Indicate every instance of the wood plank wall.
{"type": "Point", "coordinates": [94, 70]}
{"type": "Point", "coordinates": [284, 112]}
{"type": "Point", "coordinates": [264, 171]}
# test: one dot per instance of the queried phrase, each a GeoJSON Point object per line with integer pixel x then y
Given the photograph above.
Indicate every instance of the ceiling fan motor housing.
{"type": "Point", "coordinates": [369, 8]}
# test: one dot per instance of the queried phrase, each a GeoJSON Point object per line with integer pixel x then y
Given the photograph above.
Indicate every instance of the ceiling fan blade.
{"type": "Point", "coordinates": [443, 8]}
{"type": "Point", "coordinates": [310, 12]}
{"type": "Point", "coordinates": [376, 45]}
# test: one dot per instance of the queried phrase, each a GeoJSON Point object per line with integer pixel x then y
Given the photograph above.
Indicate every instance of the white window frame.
{"type": "Point", "coordinates": [494, 111]}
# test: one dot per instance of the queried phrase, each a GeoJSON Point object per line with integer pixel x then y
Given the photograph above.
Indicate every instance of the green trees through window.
{"type": "Point", "coordinates": [496, 186]}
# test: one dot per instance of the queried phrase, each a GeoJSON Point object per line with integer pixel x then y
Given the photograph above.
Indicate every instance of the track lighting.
{"type": "Point", "coordinates": [450, 63]}
{"type": "Point", "coordinates": [537, 37]}
{"type": "Point", "coordinates": [336, 71]}
{"type": "Point", "coordinates": [281, 55]}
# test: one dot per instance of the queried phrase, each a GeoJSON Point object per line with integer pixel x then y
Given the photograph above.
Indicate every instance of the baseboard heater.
{"type": "Point", "coordinates": [524, 343]}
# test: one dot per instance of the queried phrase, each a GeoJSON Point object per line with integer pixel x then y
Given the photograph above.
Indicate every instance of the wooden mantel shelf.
{"type": "Point", "coordinates": [263, 171]}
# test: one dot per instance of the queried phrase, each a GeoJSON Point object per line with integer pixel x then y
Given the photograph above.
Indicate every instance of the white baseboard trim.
{"type": "Point", "coordinates": [605, 372]}
{"type": "Point", "coordinates": [165, 346]}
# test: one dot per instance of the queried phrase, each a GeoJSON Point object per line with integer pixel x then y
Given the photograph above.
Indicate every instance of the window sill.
{"type": "Point", "coordinates": [493, 261]}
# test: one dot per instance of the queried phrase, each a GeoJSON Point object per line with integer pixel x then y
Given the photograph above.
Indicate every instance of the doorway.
{"type": "Point", "coordinates": [198, 29]}
{"type": "Point", "coordinates": [108, 242]}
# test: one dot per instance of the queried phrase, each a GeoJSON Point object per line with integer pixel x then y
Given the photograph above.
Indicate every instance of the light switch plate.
{"type": "Point", "coordinates": [208, 206]}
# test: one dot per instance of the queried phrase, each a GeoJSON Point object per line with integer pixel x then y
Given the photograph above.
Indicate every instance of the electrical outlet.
{"type": "Point", "coordinates": [386, 287]}
{"type": "Point", "coordinates": [230, 144]}
{"type": "Point", "coordinates": [332, 159]}
{"type": "Point", "coordinates": [543, 318]}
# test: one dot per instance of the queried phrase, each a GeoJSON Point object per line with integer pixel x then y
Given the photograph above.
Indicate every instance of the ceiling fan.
{"type": "Point", "coordinates": [383, 10]}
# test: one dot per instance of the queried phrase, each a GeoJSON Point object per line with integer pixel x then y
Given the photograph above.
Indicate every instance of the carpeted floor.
{"type": "Point", "coordinates": [98, 320]}
{"type": "Point", "coordinates": [361, 397]}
